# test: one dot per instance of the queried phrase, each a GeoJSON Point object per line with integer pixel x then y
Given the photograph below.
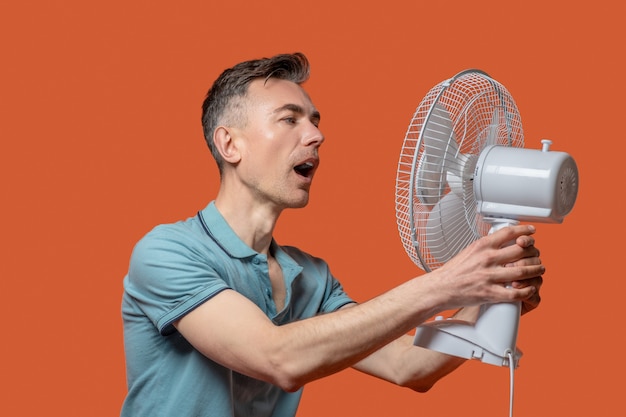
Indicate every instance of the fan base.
{"type": "Point", "coordinates": [462, 339]}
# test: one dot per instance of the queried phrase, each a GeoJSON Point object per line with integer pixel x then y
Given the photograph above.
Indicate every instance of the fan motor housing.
{"type": "Point", "coordinates": [525, 184]}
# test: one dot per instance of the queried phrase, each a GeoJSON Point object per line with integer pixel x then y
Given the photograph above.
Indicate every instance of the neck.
{"type": "Point", "coordinates": [253, 223]}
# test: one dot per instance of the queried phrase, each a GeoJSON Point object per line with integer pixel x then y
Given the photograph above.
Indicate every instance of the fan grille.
{"type": "Point", "coordinates": [455, 121]}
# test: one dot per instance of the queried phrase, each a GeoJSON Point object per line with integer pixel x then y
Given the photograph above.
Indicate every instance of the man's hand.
{"type": "Point", "coordinates": [492, 270]}
{"type": "Point", "coordinates": [533, 301]}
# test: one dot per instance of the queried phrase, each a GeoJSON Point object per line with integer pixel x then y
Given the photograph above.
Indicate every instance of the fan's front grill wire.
{"type": "Point", "coordinates": [481, 113]}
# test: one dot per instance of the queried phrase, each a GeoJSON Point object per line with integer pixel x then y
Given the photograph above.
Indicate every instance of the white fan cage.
{"type": "Point", "coordinates": [481, 112]}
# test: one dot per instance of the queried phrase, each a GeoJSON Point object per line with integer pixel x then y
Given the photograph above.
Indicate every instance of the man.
{"type": "Point", "coordinates": [220, 320]}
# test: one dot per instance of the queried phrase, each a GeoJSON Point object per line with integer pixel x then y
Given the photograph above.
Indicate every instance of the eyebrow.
{"type": "Point", "coordinates": [315, 115]}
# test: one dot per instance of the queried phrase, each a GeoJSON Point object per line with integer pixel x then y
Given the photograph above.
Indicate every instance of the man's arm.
{"type": "Point", "coordinates": [404, 364]}
{"type": "Point", "coordinates": [232, 331]}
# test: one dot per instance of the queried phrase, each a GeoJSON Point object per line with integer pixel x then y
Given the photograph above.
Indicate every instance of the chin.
{"type": "Point", "coordinates": [299, 202]}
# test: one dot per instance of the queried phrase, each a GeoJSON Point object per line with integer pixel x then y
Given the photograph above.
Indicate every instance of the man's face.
{"type": "Point", "coordinates": [279, 143]}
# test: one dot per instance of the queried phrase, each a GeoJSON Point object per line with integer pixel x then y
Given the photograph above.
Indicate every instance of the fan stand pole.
{"type": "Point", "coordinates": [501, 320]}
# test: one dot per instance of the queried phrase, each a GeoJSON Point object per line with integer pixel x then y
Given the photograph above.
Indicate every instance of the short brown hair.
{"type": "Point", "coordinates": [221, 102]}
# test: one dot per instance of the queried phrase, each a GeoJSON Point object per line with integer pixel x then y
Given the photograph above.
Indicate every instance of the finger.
{"type": "Point", "coordinates": [514, 255]}
{"type": "Point", "coordinates": [525, 241]}
{"type": "Point", "coordinates": [531, 259]}
{"type": "Point", "coordinates": [519, 274]}
{"type": "Point", "coordinates": [510, 234]}
{"type": "Point", "coordinates": [521, 294]}
{"type": "Point", "coordinates": [531, 303]}
{"type": "Point", "coordinates": [536, 282]}
{"type": "Point", "coordinates": [519, 230]}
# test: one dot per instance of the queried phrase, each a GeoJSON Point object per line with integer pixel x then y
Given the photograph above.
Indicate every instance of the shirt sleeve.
{"type": "Point", "coordinates": [169, 276]}
{"type": "Point", "coordinates": [336, 296]}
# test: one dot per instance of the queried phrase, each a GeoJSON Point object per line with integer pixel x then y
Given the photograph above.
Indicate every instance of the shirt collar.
{"type": "Point", "coordinates": [219, 230]}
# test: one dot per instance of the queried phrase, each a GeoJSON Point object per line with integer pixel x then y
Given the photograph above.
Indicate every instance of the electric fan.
{"type": "Point", "coordinates": [463, 173]}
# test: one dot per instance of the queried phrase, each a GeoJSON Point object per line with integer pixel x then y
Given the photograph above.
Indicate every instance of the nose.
{"type": "Point", "coordinates": [313, 135]}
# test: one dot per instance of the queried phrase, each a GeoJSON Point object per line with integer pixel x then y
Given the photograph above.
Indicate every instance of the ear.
{"type": "Point", "coordinates": [226, 145]}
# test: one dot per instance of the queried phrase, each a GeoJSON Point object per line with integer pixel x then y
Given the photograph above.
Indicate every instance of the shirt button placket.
{"type": "Point", "coordinates": [264, 275]}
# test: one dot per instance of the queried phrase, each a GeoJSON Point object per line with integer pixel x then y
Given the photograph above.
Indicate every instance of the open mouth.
{"type": "Point", "coordinates": [304, 169]}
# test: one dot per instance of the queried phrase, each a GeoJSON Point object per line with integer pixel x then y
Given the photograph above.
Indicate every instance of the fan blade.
{"type": "Point", "coordinates": [429, 184]}
{"type": "Point", "coordinates": [492, 137]}
{"type": "Point", "coordinates": [438, 132]}
{"type": "Point", "coordinates": [460, 172]}
{"type": "Point", "coordinates": [438, 138]}
{"type": "Point", "coordinates": [447, 228]}
{"type": "Point", "coordinates": [497, 132]}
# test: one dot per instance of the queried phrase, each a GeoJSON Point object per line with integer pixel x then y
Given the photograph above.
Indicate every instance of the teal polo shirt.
{"type": "Point", "coordinates": [177, 267]}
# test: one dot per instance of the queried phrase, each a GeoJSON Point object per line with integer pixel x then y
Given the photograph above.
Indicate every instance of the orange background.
{"type": "Point", "coordinates": [101, 140]}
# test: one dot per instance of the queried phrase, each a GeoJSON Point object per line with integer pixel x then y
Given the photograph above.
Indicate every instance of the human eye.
{"type": "Point", "coordinates": [290, 119]}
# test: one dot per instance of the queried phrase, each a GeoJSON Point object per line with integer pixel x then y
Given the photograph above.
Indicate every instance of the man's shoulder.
{"type": "Point", "coordinates": [179, 233]}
